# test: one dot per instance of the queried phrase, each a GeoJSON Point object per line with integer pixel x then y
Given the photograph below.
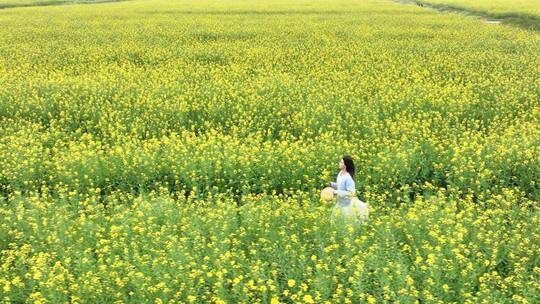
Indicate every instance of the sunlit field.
{"type": "Point", "coordinates": [174, 151]}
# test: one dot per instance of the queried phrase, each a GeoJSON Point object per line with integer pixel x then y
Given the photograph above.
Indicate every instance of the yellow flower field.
{"type": "Point", "coordinates": [174, 151]}
{"type": "Point", "coordinates": [28, 3]}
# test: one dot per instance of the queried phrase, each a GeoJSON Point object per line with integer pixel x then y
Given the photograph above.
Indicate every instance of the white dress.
{"type": "Point", "coordinates": [348, 204]}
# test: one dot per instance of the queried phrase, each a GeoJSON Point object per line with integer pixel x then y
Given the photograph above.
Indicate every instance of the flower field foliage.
{"type": "Point", "coordinates": [27, 3]}
{"type": "Point", "coordinates": [173, 152]}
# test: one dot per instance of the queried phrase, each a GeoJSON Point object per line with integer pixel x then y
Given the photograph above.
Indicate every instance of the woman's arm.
{"type": "Point", "coordinates": [349, 188]}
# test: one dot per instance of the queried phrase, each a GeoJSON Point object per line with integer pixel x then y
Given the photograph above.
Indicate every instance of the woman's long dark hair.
{"type": "Point", "coordinates": [349, 164]}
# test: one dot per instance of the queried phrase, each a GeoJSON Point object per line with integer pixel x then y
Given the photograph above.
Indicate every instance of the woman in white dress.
{"type": "Point", "coordinates": [345, 190]}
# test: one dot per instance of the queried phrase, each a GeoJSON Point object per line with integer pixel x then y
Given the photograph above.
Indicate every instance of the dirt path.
{"type": "Point", "coordinates": [521, 20]}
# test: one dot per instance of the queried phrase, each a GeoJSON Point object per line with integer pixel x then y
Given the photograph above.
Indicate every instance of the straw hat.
{"type": "Point", "coordinates": [327, 193]}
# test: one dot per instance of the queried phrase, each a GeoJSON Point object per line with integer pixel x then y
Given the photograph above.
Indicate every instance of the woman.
{"type": "Point", "coordinates": [344, 187]}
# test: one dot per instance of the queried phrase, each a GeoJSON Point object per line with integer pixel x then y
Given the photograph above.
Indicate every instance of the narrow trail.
{"type": "Point", "coordinates": [55, 3]}
{"type": "Point", "coordinates": [521, 20]}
